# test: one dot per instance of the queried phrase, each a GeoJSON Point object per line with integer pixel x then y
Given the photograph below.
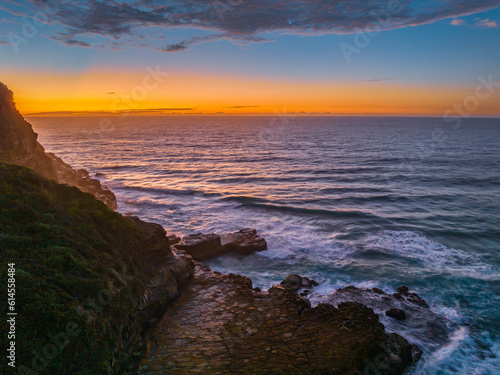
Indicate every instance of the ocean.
{"type": "Point", "coordinates": [363, 201]}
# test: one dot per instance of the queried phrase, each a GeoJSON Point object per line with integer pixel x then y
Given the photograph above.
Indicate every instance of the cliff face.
{"type": "Point", "coordinates": [89, 281]}
{"type": "Point", "coordinates": [19, 145]}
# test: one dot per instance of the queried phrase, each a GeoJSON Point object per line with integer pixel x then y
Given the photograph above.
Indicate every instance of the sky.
{"type": "Point", "coordinates": [338, 57]}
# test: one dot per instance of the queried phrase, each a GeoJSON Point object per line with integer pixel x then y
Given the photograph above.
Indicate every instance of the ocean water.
{"type": "Point", "coordinates": [370, 202]}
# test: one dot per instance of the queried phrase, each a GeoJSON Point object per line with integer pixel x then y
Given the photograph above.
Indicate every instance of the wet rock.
{"type": "Point", "coordinates": [396, 314]}
{"type": "Point", "coordinates": [418, 318]}
{"type": "Point", "coordinates": [201, 246]}
{"type": "Point", "coordinates": [405, 294]}
{"type": "Point", "coordinates": [245, 241]}
{"type": "Point", "coordinates": [173, 239]}
{"type": "Point", "coordinates": [292, 282]}
{"type": "Point", "coordinates": [223, 327]}
{"type": "Point", "coordinates": [308, 283]}
{"type": "Point", "coordinates": [205, 246]}
{"type": "Point", "coordinates": [295, 282]}
{"type": "Point", "coordinates": [416, 353]}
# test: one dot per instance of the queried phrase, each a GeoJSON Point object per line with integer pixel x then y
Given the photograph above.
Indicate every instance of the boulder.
{"type": "Point", "coordinates": [295, 282]}
{"type": "Point", "coordinates": [396, 314]}
{"type": "Point", "coordinates": [202, 246]}
{"type": "Point", "coordinates": [292, 282]}
{"type": "Point", "coordinates": [205, 246]}
{"type": "Point", "coordinates": [82, 173]}
{"type": "Point", "coordinates": [245, 241]}
{"type": "Point", "coordinates": [405, 294]}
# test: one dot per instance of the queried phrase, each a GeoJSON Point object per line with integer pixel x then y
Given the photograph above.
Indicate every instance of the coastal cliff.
{"type": "Point", "coordinates": [101, 293]}
{"type": "Point", "coordinates": [89, 281]}
{"type": "Point", "coordinates": [19, 145]}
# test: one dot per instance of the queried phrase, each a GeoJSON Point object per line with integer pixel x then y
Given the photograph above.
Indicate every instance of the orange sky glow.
{"type": "Point", "coordinates": [115, 91]}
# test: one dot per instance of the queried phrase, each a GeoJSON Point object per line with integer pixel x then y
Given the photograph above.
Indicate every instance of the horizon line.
{"type": "Point", "coordinates": [280, 114]}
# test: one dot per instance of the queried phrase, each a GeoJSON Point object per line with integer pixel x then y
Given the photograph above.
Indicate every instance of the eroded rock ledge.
{"type": "Point", "coordinates": [220, 325]}
{"type": "Point", "coordinates": [205, 246]}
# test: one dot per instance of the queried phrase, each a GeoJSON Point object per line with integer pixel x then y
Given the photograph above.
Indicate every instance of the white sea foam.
{"type": "Point", "coordinates": [433, 255]}
{"type": "Point", "coordinates": [464, 354]}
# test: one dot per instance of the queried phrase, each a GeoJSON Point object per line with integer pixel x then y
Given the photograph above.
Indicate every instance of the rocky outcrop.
{"type": "Point", "coordinates": [221, 325]}
{"type": "Point", "coordinates": [404, 294]}
{"type": "Point", "coordinates": [403, 305]}
{"type": "Point", "coordinates": [295, 283]}
{"type": "Point", "coordinates": [245, 241]}
{"type": "Point", "coordinates": [205, 246]}
{"type": "Point", "coordinates": [201, 246]}
{"type": "Point", "coordinates": [397, 314]}
{"type": "Point", "coordinates": [19, 145]}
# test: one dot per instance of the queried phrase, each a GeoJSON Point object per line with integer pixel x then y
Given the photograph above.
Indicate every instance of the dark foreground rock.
{"type": "Point", "coordinates": [205, 246]}
{"type": "Point", "coordinates": [405, 307]}
{"type": "Point", "coordinates": [396, 314]}
{"type": "Point", "coordinates": [220, 325]}
{"type": "Point", "coordinates": [19, 145]}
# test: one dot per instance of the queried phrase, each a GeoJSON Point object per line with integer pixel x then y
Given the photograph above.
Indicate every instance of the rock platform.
{"type": "Point", "coordinates": [220, 325]}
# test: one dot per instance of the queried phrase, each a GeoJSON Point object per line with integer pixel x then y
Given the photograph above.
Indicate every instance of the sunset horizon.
{"type": "Point", "coordinates": [236, 187]}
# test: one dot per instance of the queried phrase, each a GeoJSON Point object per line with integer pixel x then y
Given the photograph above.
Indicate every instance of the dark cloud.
{"type": "Point", "coordinates": [69, 40]}
{"type": "Point", "coordinates": [244, 21]}
{"type": "Point", "coordinates": [109, 113]}
{"type": "Point", "coordinates": [175, 47]}
{"type": "Point", "coordinates": [243, 106]}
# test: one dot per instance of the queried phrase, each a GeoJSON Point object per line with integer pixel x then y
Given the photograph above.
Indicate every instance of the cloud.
{"type": "Point", "coordinates": [483, 24]}
{"type": "Point", "coordinates": [109, 113]}
{"type": "Point", "coordinates": [243, 106]}
{"type": "Point", "coordinates": [239, 22]}
{"type": "Point", "coordinates": [458, 22]}
{"type": "Point", "coordinates": [486, 24]}
{"type": "Point", "coordinates": [2, 43]}
{"type": "Point", "coordinates": [175, 47]}
{"type": "Point", "coordinates": [69, 40]}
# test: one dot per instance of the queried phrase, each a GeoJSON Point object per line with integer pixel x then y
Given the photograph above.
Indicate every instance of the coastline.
{"type": "Point", "coordinates": [157, 276]}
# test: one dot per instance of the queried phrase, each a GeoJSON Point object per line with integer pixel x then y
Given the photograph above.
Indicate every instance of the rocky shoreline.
{"type": "Point", "coordinates": [220, 324]}
{"type": "Point", "coordinates": [169, 313]}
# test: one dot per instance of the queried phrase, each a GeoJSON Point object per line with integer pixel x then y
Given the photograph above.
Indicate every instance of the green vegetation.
{"type": "Point", "coordinates": [78, 280]}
